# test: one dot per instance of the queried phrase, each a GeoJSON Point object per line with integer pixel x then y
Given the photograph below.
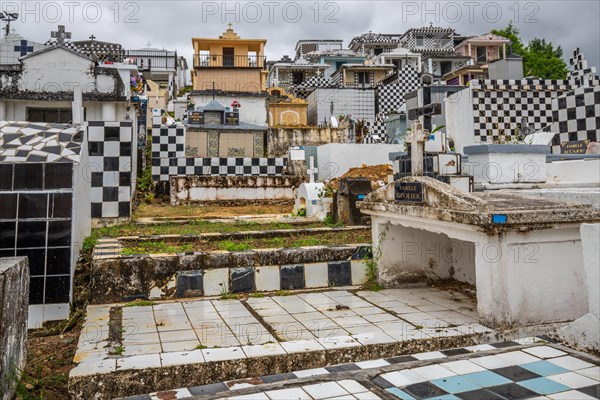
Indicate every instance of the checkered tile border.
{"type": "Point", "coordinates": [221, 389]}
{"type": "Point", "coordinates": [111, 161]}
{"type": "Point", "coordinates": [500, 105]}
{"type": "Point", "coordinates": [168, 159]}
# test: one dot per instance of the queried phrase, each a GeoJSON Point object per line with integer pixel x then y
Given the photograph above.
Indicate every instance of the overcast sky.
{"type": "Point", "coordinates": [172, 24]}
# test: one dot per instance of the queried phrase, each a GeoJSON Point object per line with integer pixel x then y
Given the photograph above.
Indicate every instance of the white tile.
{"type": "Point", "coordinates": [182, 393]}
{"type": "Point", "coordinates": [403, 378]}
{"type": "Point", "coordinates": [316, 275]}
{"type": "Point", "coordinates": [227, 353]}
{"type": "Point", "coordinates": [373, 338]}
{"type": "Point", "coordinates": [188, 345]}
{"type": "Point", "coordinates": [480, 347]}
{"type": "Point", "coordinates": [337, 342]}
{"type": "Point", "coordinates": [181, 358]}
{"type": "Point", "coordinates": [287, 394]}
{"type": "Point", "coordinates": [178, 336]}
{"type": "Point", "coordinates": [593, 372]}
{"type": "Point", "coordinates": [431, 372]}
{"type": "Point", "coordinates": [267, 278]}
{"type": "Point", "coordinates": [216, 281]}
{"type": "Point", "coordinates": [372, 364]}
{"type": "Point", "coordinates": [429, 355]}
{"type": "Point", "coordinates": [570, 362]}
{"type": "Point", "coordinates": [490, 362]}
{"type": "Point", "coordinates": [263, 350]}
{"type": "Point", "coordinates": [139, 362]}
{"type": "Point", "coordinates": [94, 367]}
{"type": "Point", "coordinates": [462, 367]}
{"type": "Point", "coordinates": [544, 352]}
{"type": "Point", "coordinates": [358, 269]}
{"type": "Point", "coordinates": [253, 396]}
{"type": "Point", "coordinates": [573, 380]}
{"type": "Point", "coordinates": [570, 395]}
{"type": "Point", "coordinates": [367, 396]}
{"type": "Point", "coordinates": [325, 390]}
{"type": "Point", "coordinates": [311, 372]}
{"type": "Point", "coordinates": [352, 387]}
{"type": "Point", "coordinates": [517, 357]}
{"type": "Point", "coordinates": [301, 346]}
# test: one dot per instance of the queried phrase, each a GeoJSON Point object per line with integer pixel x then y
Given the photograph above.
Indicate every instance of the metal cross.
{"type": "Point", "coordinates": [92, 37]}
{"type": "Point", "coordinates": [60, 35]}
{"type": "Point", "coordinates": [148, 44]}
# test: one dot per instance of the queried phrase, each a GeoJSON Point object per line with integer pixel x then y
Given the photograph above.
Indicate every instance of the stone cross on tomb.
{"type": "Point", "coordinates": [60, 35]}
{"type": "Point", "coordinates": [92, 37]}
{"type": "Point", "coordinates": [312, 171]}
{"type": "Point", "coordinates": [417, 138]}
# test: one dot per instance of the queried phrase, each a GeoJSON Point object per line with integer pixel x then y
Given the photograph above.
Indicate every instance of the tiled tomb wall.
{"type": "Point", "coordinates": [112, 168]}
{"type": "Point", "coordinates": [222, 271]}
{"type": "Point", "coordinates": [14, 292]}
{"type": "Point", "coordinates": [169, 158]}
{"type": "Point", "coordinates": [45, 216]}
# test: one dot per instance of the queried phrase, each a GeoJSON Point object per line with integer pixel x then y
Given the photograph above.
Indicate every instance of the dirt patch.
{"type": "Point", "coordinates": [374, 173]}
{"type": "Point", "coordinates": [49, 360]}
{"type": "Point", "coordinates": [213, 210]}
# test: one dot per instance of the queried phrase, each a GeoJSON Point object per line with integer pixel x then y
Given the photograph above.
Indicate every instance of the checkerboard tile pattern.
{"type": "Point", "coordinates": [582, 74]}
{"type": "Point", "coordinates": [391, 94]}
{"type": "Point", "coordinates": [111, 157]}
{"type": "Point", "coordinates": [500, 105]}
{"type": "Point", "coordinates": [534, 372]}
{"type": "Point", "coordinates": [168, 159]}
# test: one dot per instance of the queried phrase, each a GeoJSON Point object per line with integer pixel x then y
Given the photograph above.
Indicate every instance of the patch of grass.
{"type": "Point", "coordinates": [201, 346]}
{"type": "Point", "coordinates": [418, 327]}
{"type": "Point", "coordinates": [151, 247]}
{"type": "Point", "coordinates": [276, 242]}
{"type": "Point", "coordinates": [35, 387]}
{"type": "Point", "coordinates": [283, 293]}
{"type": "Point", "coordinates": [139, 303]}
{"type": "Point", "coordinates": [304, 242]}
{"type": "Point", "coordinates": [119, 350]}
{"type": "Point", "coordinates": [230, 245]}
{"type": "Point", "coordinates": [257, 295]}
{"type": "Point", "coordinates": [228, 296]}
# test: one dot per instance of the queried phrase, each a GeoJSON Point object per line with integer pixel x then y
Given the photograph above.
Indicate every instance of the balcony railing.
{"type": "Point", "coordinates": [146, 60]}
{"type": "Point", "coordinates": [228, 61]}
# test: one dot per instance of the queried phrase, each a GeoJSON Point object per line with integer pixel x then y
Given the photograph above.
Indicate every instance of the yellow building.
{"type": "Point", "coordinates": [158, 97]}
{"type": "Point", "coordinates": [229, 63]}
{"type": "Point", "coordinates": [285, 109]}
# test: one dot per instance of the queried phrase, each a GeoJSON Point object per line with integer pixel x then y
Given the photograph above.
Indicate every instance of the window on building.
{"type": "Point", "coordinates": [228, 57]}
{"type": "Point", "coordinates": [420, 39]}
{"type": "Point", "coordinates": [445, 66]}
{"type": "Point", "coordinates": [362, 77]}
{"type": "Point", "coordinates": [378, 50]}
{"type": "Point", "coordinates": [297, 78]}
{"type": "Point", "coordinates": [55, 115]}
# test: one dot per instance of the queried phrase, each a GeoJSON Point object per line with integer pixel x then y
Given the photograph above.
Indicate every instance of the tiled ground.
{"type": "Point", "coordinates": [523, 369]}
{"type": "Point", "coordinates": [191, 332]}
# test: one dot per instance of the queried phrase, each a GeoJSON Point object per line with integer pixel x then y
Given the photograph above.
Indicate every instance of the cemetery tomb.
{"type": "Point", "coordinates": [45, 211]}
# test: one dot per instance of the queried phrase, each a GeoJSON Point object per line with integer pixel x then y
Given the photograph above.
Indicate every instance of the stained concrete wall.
{"type": "Point", "coordinates": [574, 171]}
{"type": "Point", "coordinates": [14, 299]}
{"type": "Point", "coordinates": [279, 140]}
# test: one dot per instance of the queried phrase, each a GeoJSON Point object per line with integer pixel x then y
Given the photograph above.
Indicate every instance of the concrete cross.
{"type": "Point", "coordinates": [417, 139]}
{"type": "Point", "coordinates": [23, 49]}
{"type": "Point", "coordinates": [148, 44]}
{"type": "Point", "coordinates": [60, 35]}
{"type": "Point", "coordinates": [92, 37]}
{"type": "Point", "coordinates": [312, 171]}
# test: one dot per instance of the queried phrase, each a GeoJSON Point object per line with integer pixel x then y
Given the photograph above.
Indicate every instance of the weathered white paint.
{"type": "Point", "coordinates": [257, 193]}
{"type": "Point", "coordinates": [253, 108]}
{"type": "Point", "coordinates": [459, 122]}
{"type": "Point", "coordinates": [308, 198]}
{"type": "Point", "coordinates": [335, 159]}
{"type": "Point", "coordinates": [503, 168]}
{"type": "Point", "coordinates": [574, 172]}
{"type": "Point", "coordinates": [578, 195]}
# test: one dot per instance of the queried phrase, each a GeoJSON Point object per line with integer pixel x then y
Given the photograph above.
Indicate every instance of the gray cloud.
{"type": "Point", "coordinates": [172, 24]}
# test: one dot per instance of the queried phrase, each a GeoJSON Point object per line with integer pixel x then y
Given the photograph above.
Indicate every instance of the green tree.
{"type": "Point", "coordinates": [540, 58]}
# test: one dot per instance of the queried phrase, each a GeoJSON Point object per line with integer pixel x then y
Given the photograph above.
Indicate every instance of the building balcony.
{"type": "Point", "coordinates": [229, 61]}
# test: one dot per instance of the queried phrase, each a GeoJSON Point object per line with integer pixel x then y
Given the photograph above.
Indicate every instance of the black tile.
{"type": "Point", "coordinates": [33, 205]}
{"type": "Point", "coordinates": [61, 205]}
{"type": "Point", "coordinates": [59, 233]}
{"type": "Point", "coordinates": [382, 383]}
{"type": "Point", "coordinates": [291, 277]}
{"type": "Point", "coordinates": [400, 359]}
{"type": "Point", "coordinates": [501, 345]}
{"type": "Point", "coordinates": [516, 373]}
{"type": "Point", "coordinates": [59, 175]}
{"type": "Point", "coordinates": [7, 235]}
{"type": "Point", "coordinates": [58, 262]}
{"type": "Point", "coordinates": [112, 134]}
{"type": "Point", "coordinates": [96, 148]}
{"type": "Point", "coordinates": [97, 179]}
{"type": "Point", "coordinates": [7, 253]}
{"type": "Point", "coordinates": [208, 389]}
{"type": "Point", "coordinates": [37, 260]}
{"type": "Point", "coordinates": [455, 352]}
{"type": "Point", "coordinates": [424, 390]}
{"type": "Point", "coordinates": [124, 209]}
{"type": "Point", "coordinates": [125, 149]}
{"type": "Point", "coordinates": [339, 273]}
{"type": "Point", "coordinates": [57, 289]}
{"type": "Point", "coordinates": [593, 391]}
{"type": "Point", "coordinates": [31, 234]}
{"type": "Point", "coordinates": [342, 368]}
{"type": "Point", "coordinates": [242, 280]}
{"type": "Point", "coordinates": [96, 210]}
{"type": "Point", "coordinates": [111, 163]}
{"type": "Point", "coordinates": [124, 179]}
{"type": "Point", "coordinates": [6, 176]}
{"type": "Point", "coordinates": [36, 290]}
{"type": "Point", "coordinates": [278, 377]}
{"type": "Point", "coordinates": [8, 205]}
{"type": "Point", "coordinates": [480, 394]}
{"type": "Point", "coordinates": [513, 391]}
{"type": "Point", "coordinates": [189, 280]}
{"type": "Point", "coordinates": [29, 176]}
{"type": "Point", "coordinates": [110, 194]}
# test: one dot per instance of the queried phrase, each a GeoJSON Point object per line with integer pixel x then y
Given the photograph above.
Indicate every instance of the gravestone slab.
{"type": "Point", "coordinates": [242, 280]}
{"type": "Point", "coordinates": [292, 276]}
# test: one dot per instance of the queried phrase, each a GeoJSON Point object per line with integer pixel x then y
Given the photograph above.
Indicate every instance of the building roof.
{"type": "Point", "coordinates": [379, 38]}
{"type": "Point", "coordinates": [39, 142]}
{"type": "Point", "coordinates": [69, 48]}
{"type": "Point", "coordinates": [212, 105]}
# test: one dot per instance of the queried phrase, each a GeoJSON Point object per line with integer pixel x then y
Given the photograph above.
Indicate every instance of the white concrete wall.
{"type": "Point", "coordinates": [590, 238]}
{"type": "Point", "coordinates": [459, 119]}
{"type": "Point", "coordinates": [359, 103]}
{"type": "Point", "coordinates": [16, 110]}
{"type": "Point", "coordinates": [574, 171]}
{"type": "Point", "coordinates": [501, 168]}
{"type": "Point", "coordinates": [248, 193]}
{"type": "Point", "coordinates": [252, 111]}
{"type": "Point", "coordinates": [335, 159]}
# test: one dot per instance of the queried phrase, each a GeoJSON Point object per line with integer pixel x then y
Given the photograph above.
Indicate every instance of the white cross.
{"type": "Point", "coordinates": [312, 171]}
{"type": "Point", "coordinates": [417, 139]}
